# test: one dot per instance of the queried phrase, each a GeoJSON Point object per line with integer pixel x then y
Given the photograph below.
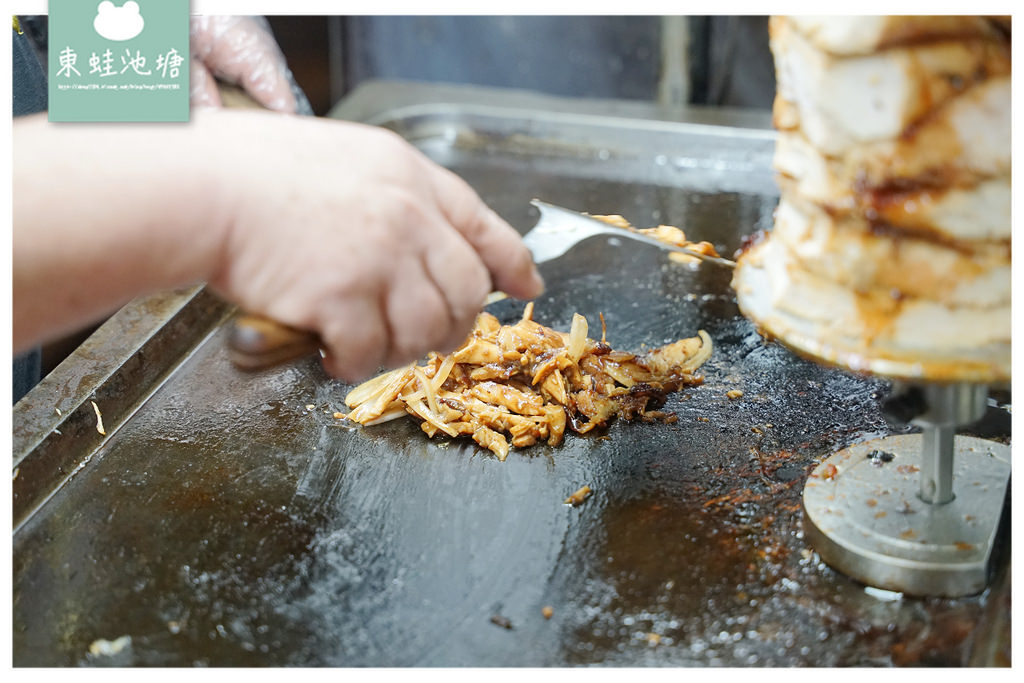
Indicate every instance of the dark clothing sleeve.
{"type": "Point", "coordinates": [29, 79]}
{"type": "Point", "coordinates": [28, 96]}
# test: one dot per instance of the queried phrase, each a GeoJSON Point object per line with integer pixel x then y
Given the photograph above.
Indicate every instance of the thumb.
{"type": "Point", "coordinates": [498, 244]}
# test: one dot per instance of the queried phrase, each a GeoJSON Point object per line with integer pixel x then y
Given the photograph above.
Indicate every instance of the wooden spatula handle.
{"type": "Point", "coordinates": [256, 342]}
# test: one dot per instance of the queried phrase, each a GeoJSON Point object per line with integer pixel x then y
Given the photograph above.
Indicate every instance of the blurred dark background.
{"type": "Point", "coordinates": [704, 60]}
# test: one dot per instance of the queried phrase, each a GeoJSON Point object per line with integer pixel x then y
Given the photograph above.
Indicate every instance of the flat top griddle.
{"type": "Point", "coordinates": [223, 521]}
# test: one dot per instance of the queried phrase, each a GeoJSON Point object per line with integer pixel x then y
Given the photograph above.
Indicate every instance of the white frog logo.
{"type": "Point", "coordinates": [118, 23]}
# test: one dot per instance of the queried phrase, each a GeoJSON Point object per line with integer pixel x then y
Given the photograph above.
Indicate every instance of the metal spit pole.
{"type": "Point", "coordinates": [948, 406]}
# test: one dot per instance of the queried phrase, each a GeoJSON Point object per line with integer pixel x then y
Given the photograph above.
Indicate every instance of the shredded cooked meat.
{"type": "Point", "coordinates": [514, 385]}
{"type": "Point", "coordinates": [666, 234]}
{"type": "Point", "coordinates": [577, 498]}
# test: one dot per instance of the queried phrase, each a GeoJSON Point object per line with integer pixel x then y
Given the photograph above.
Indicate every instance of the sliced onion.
{"type": "Point", "coordinates": [577, 337]}
{"type": "Point", "coordinates": [428, 390]}
{"type": "Point", "coordinates": [443, 372]}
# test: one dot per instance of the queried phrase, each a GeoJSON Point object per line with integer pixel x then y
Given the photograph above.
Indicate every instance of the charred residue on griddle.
{"type": "Point", "coordinates": [733, 521]}
{"type": "Point", "coordinates": [880, 457]}
{"type": "Point", "coordinates": [501, 621]}
{"type": "Point", "coordinates": [641, 398]}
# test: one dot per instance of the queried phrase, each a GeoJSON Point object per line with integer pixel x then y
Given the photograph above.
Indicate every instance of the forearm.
{"type": "Point", "coordinates": [104, 213]}
{"type": "Point", "coordinates": [335, 227]}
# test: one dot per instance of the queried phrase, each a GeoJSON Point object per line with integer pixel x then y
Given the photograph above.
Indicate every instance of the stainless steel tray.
{"type": "Point", "coordinates": [221, 520]}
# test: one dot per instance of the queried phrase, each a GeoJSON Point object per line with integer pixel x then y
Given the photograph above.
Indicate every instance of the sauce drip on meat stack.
{"type": "Point", "coordinates": [891, 246]}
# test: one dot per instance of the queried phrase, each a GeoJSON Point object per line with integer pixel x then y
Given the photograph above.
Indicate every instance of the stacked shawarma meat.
{"type": "Point", "coordinates": [893, 162]}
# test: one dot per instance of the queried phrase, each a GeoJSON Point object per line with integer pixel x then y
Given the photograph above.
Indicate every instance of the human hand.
{"type": "Point", "coordinates": [239, 50]}
{"type": "Point", "coordinates": [348, 231]}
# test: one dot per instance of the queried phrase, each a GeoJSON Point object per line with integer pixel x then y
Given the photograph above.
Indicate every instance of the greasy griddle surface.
{"type": "Point", "coordinates": [228, 524]}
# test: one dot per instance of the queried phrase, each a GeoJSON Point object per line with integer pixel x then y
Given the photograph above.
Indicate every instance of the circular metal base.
{"type": "Point", "coordinates": [864, 517]}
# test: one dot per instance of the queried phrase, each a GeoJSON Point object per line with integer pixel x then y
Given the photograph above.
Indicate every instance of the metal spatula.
{"type": "Point", "coordinates": [560, 229]}
{"type": "Point", "coordinates": [256, 342]}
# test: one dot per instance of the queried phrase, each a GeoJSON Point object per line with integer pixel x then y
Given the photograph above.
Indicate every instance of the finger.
{"type": "Point", "coordinates": [268, 83]}
{"type": "Point", "coordinates": [244, 55]}
{"type": "Point", "coordinates": [355, 337]}
{"type": "Point", "coordinates": [417, 314]}
{"type": "Point", "coordinates": [203, 88]}
{"type": "Point", "coordinates": [463, 281]}
{"type": "Point", "coordinates": [499, 245]}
